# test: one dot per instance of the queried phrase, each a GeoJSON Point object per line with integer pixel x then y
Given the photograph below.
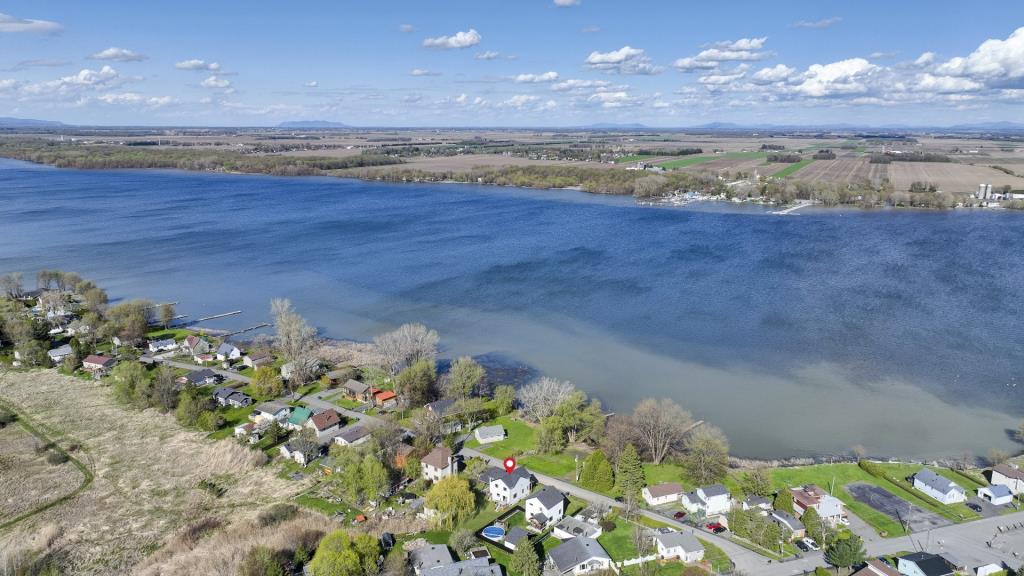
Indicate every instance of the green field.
{"type": "Point", "coordinates": [692, 160]}
{"type": "Point", "coordinates": [636, 158]}
{"type": "Point", "coordinates": [792, 168]}
{"type": "Point", "coordinates": [619, 542]}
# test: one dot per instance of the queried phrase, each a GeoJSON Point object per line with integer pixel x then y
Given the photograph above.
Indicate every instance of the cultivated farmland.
{"type": "Point", "coordinates": [949, 176]}
{"type": "Point", "coordinates": [845, 169]}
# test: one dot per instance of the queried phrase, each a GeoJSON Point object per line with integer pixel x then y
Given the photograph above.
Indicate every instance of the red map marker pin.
{"type": "Point", "coordinates": [510, 465]}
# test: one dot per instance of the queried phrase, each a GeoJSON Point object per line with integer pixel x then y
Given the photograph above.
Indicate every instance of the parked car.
{"type": "Point", "coordinates": [679, 515]}
{"type": "Point", "coordinates": [844, 520]}
{"type": "Point", "coordinates": [974, 506]}
{"type": "Point", "coordinates": [800, 544]}
{"type": "Point", "coordinates": [715, 527]}
{"type": "Point", "coordinates": [810, 543]}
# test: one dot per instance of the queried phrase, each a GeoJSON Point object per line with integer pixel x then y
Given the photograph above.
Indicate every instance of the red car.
{"type": "Point", "coordinates": [716, 527]}
{"type": "Point", "coordinates": [679, 515]}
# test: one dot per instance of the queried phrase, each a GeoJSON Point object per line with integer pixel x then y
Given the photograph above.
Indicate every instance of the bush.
{"type": "Point", "coordinates": [56, 458]}
{"type": "Point", "coordinates": [7, 418]}
{"type": "Point", "coordinates": [210, 421]}
{"type": "Point", "coordinates": [261, 561]}
{"type": "Point", "coordinates": [607, 525]}
{"type": "Point", "coordinates": [276, 514]}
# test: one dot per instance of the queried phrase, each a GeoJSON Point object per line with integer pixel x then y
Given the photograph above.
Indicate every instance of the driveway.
{"type": "Point", "coordinates": [917, 519]}
{"type": "Point", "coordinates": [988, 509]}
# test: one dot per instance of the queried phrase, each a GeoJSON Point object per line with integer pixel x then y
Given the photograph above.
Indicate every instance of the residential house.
{"type": "Point", "coordinates": [355, 435]}
{"type": "Point", "coordinates": [489, 434]}
{"type": "Point", "coordinates": [507, 488]}
{"type": "Point", "coordinates": [257, 359]}
{"type": "Point", "coordinates": [163, 345]}
{"type": "Point", "coordinates": [300, 450]}
{"type": "Point", "coordinates": [1010, 476]}
{"type": "Point", "coordinates": [571, 527]}
{"type": "Point", "coordinates": [938, 487]}
{"type": "Point", "coordinates": [312, 365]}
{"type": "Point", "coordinates": [402, 452]}
{"type": "Point", "coordinates": [791, 526]}
{"type": "Point", "coordinates": [444, 410]}
{"type": "Point", "coordinates": [708, 500]}
{"type": "Point", "coordinates": [997, 494]}
{"type": "Point", "coordinates": [98, 364]}
{"type": "Point", "coordinates": [516, 536]}
{"type": "Point", "coordinates": [325, 423]}
{"type": "Point", "coordinates": [298, 418]}
{"type": "Point", "coordinates": [356, 390]}
{"type": "Point", "coordinates": [226, 352]}
{"type": "Point", "coordinates": [194, 346]}
{"type": "Point", "coordinates": [545, 507]}
{"type": "Point", "coordinates": [247, 430]}
{"type": "Point", "coordinates": [438, 464]}
{"type": "Point", "coordinates": [828, 507]}
{"type": "Point", "coordinates": [470, 567]}
{"type": "Point", "coordinates": [271, 411]}
{"type": "Point", "coordinates": [923, 564]}
{"type": "Point", "coordinates": [430, 556]}
{"type": "Point", "coordinates": [204, 377]}
{"type": "Point", "coordinates": [681, 545]}
{"type": "Point", "coordinates": [990, 570]}
{"type": "Point", "coordinates": [385, 399]}
{"type": "Point", "coordinates": [578, 556]}
{"type": "Point", "coordinates": [876, 567]}
{"type": "Point", "coordinates": [232, 398]}
{"type": "Point", "coordinates": [58, 354]}
{"type": "Point", "coordinates": [759, 503]}
{"type": "Point", "coordinates": [661, 494]}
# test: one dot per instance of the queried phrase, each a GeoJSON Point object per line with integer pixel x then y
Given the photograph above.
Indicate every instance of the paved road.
{"type": "Point", "coordinates": [227, 374]}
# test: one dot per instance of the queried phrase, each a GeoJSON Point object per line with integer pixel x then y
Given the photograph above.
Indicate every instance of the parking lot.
{"type": "Point", "coordinates": [916, 519]}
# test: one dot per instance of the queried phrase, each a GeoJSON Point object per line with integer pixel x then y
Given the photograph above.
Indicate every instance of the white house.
{"type": "Point", "coordinates": [98, 364]}
{"type": "Point", "coordinates": [1010, 476]}
{"type": "Point", "coordinates": [324, 424]}
{"type": "Point", "coordinates": [353, 436]}
{"type": "Point", "coordinates": [571, 527]}
{"type": "Point", "coordinates": [301, 451]}
{"type": "Point", "coordinates": [488, 434]}
{"type": "Point", "coordinates": [270, 411]}
{"type": "Point", "coordinates": [504, 488]}
{"type": "Point", "coordinates": [681, 545]}
{"type": "Point", "coordinates": [162, 345]}
{"type": "Point", "coordinates": [578, 556]}
{"type": "Point", "coordinates": [545, 507]}
{"type": "Point", "coordinates": [828, 507]}
{"type": "Point", "coordinates": [996, 494]}
{"type": "Point", "coordinates": [194, 345]}
{"type": "Point", "coordinates": [708, 500]}
{"type": "Point", "coordinates": [438, 464]}
{"type": "Point", "coordinates": [989, 569]}
{"type": "Point", "coordinates": [942, 489]}
{"type": "Point", "coordinates": [58, 354]}
{"type": "Point", "coordinates": [228, 352]}
{"type": "Point", "coordinates": [661, 494]}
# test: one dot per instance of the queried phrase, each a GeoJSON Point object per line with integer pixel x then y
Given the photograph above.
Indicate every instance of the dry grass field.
{"type": "Point", "coordinates": [950, 177]}
{"type": "Point", "coordinates": [147, 469]}
{"type": "Point", "coordinates": [27, 481]}
{"type": "Point", "coordinates": [846, 168]}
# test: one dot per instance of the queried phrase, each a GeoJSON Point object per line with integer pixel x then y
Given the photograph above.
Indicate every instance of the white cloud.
{"type": "Point", "coordinates": [519, 101]}
{"type": "Point", "coordinates": [576, 84]}
{"type": "Point", "coordinates": [619, 99]}
{"type": "Point", "coordinates": [837, 78]}
{"type": "Point", "coordinates": [777, 73]}
{"type": "Point", "coordinates": [742, 50]}
{"type": "Point", "coordinates": [70, 86]}
{"type": "Point", "coordinates": [925, 59]}
{"type": "Point", "coordinates": [11, 24]}
{"type": "Point", "coordinates": [216, 82]}
{"type": "Point", "coordinates": [742, 44]}
{"type": "Point", "coordinates": [135, 98]}
{"type": "Point", "coordinates": [488, 55]}
{"type": "Point", "coordinates": [591, 29]}
{"type": "Point", "coordinates": [823, 23]}
{"type": "Point", "coordinates": [722, 78]}
{"type": "Point", "coordinates": [312, 84]}
{"type": "Point", "coordinates": [945, 84]}
{"type": "Point", "coordinates": [422, 72]}
{"type": "Point", "coordinates": [406, 28]}
{"type": "Point", "coordinates": [566, 3]}
{"type": "Point", "coordinates": [200, 65]}
{"type": "Point", "coordinates": [456, 41]}
{"type": "Point", "coordinates": [625, 60]}
{"type": "Point", "coordinates": [8, 86]}
{"type": "Point", "coordinates": [118, 55]}
{"type": "Point", "coordinates": [39, 63]}
{"type": "Point", "coordinates": [691, 64]}
{"type": "Point", "coordinates": [536, 78]}
{"type": "Point", "coordinates": [995, 62]}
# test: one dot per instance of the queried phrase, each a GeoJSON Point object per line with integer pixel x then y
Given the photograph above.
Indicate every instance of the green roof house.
{"type": "Point", "coordinates": [298, 418]}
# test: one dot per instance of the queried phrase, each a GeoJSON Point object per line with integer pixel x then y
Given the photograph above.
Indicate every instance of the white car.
{"type": "Point", "coordinates": [844, 520]}
{"type": "Point", "coordinates": [811, 544]}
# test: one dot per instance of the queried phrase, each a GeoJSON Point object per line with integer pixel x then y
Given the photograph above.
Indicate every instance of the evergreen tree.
{"type": "Point", "coordinates": [757, 482]}
{"type": "Point", "coordinates": [597, 472]}
{"type": "Point", "coordinates": [847, 552]}
{"type": "Point", "coordinates": [784, 501]}
{"type": "Point", "coordinates": [525, 561]}
{"type": "Point", "coordinates": [812, 522]}
{"type": "Point", "coordinates": [631, 472]}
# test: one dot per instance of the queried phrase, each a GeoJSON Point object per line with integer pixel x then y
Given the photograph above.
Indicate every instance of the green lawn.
{"type": "Point", "coordinates": [714, 555]}
{"type": "Point", "coordinates": [178, 334]}
{"type": "Point", "coordinates": [635, 158]}
{"type": "Point", "coordinates": [340, 400]}
{"type": "Point", "coordinates": [232, 417]}
{"type": "Point", "coordinates": [324, 506]}
{"type": "Point", "coordinates": [619, 542]}
{"type": "Point", "coordinates": [792, 168]}
{"type": "Point", "coordinates": [905, 490]}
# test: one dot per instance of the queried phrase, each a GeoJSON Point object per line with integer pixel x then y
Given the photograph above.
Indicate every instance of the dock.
{"type": "Point", "coordinates": [215, 316]}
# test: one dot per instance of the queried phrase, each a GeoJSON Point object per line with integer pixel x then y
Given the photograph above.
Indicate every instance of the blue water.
{"type": "Point", "coordinates": [897, 330]}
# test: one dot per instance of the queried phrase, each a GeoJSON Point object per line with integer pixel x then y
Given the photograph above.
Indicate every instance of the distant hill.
{"type": "Point", "coordinates": [612, 126]}
{"type": "Point", "coordinates": [312, 124]}
{"type": "Point", "coordinates": [6, 122]}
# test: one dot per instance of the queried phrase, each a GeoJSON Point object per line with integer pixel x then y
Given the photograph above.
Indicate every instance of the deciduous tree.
{"type": "Point", "coordinates": [404, 346]}
{"type": "Point", "coordinates": [416, 383]}
{"type": "Point", "coordinates": [784, 501]}
{"type": "Point", "coordinates": [706, 456]}
{"type": "Point", "coordinates": [342, 555]}
{"type": "Point", "coordinates": [295, 339]}
{"type": "Point", "coordinates": [453, 500]}
{"type": "Point", "coordinates": [125, 378]}
{"type": "Point", "coordinates": [660, 426]}
{"type": "Point", "coordinates": [540, 398]}
{"type": "Point", "coordinates": [267, 383]}
{"type": "Point", "coordinates": [757, 482]}
{"type": "Point", "coordinates": [167, 314]}
{"type": "Point", "coordinates": [504, 399]}
{"type": "Point", "coordinates": [464, 378]}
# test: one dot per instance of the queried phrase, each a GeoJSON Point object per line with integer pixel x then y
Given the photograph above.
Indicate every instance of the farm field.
{"type": "Point", "coordinates": [471, 161]}
{"type": "Point", "coordinates": [793, 168]}
{"type": "Point", "coordinates": [949, 176]}
{"type": "Point", "coordinates": [731, 165]}
{"type": "Point", "coordinates": [845, 169]}
{"type": "Point", "coordinates": [693, 160]}
{"type": "Point", "coordinates": [147, 470]}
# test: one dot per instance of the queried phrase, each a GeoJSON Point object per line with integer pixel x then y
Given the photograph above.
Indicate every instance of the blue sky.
{"type": "Point", "coordinates": [522, 63]}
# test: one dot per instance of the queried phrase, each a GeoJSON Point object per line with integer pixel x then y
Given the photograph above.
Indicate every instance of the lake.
{"type": "Point", "coordinates": [900, 331]}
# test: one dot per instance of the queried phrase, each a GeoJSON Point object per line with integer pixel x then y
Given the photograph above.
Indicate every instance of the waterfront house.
{"type": "Point", "coordinates": [923, 564]}
{"type": "Point", "coordinates": [312, 368]}
{"type": "Point", "coordinates": [661, 494]}
{"type": "Point", "coordinates": [708, 500]}
{"type": "Point", "coordinates": [257, 359]}
{"type": "Point", "coordinates": [504, 488]}
{"type": "Point", "coordinates": [356, 390]}
{"type": "Point", "coordinates": [1008, 475]}
{"type": "Point", "coordinates": [204, 377]}
{"type": "Point", "coordinates": [270, 411]}
{"type": "Point", "coordinates": [938, 487]}
{"type": "Point", "coordinates": [545, 507]}
{"type": "Point", "coordinates": [301, 450]}
{"type": "Point", "coordinates": [578, 556]}
{"type": "Point", "coordinates": [996, 494]}
{"type": "Point", "coordinates": [438, 464]}
{"type": "Point", "coordinates": [489, 434]}
{"type": "Point", "coordinates": [828, 507]}
{"type": "Point", "coordinates": [98, 364]}
{"type": "Point", "coordinates": [792, 528]}
{"type": "Point", "coordinates": [355, 435]}
{"type": "Point", "coordinates": [298, 418]}
{"type": "Point", "coordinates": [678, 545]}
{"type": "Point", "coordinates": [164, 345]}
{"type": "Point", "coordinates": [194, 346]}
{"type": "Point", "coordinates": [444, 410]}
{"type": "Point", "coordinates": [227, 352]}
{"type": "Point", "coordinates": [58, 354]}
{"type": "Point", "coordinates": [759, 503]}
{"type": "Point", "coordinates": [325, 423]}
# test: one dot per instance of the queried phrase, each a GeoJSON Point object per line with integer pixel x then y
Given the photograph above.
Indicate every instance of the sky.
{"type": "Point", "coordinates": [513, 63]}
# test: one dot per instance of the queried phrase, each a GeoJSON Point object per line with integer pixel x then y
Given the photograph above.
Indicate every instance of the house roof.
{"type": "Point", "coordinates": [714, 490]}
{"type": "Point", "coordinates": [62, 350]}
{"type": "Point", "coordinates": [471, 567]}
{"type": "Point", "coordinates": [439, 457]}
{"type": "Point", "coordinates": [383, 395]}
{"type": "Point", "coordinates": [688, 542]}
{"type": "Point", "coordinates": [325, 419]}
{"type": "Point", "coordinates": [787, 519]}
{"type": "Point", "coordinates": [226, 349]}
{"type": "Point", "coordinates": [200, 375]}
{"type": "Point", "coordinates": [223, 392]}
{"type": "Point", "coordinates": [97, 359]}
{"type": "Point", "coordinates": [936, 482]}
{"type": "Point", "coordinates": [354, 433]}
{"type": "Point", "coordinates": [299, 416]}
{"type": "Point", "coordinates": [576, 551]}
{"type": "Point", "coordinates": [192, 341]}
{"type": "Point", "coordinates": [664, 489]}
{"type": "Point", "coordinates": [355, 386]}
{"type": "Point", "coordinates": [755, 501]}
{"type": "Point", "coordinates": [272, 407]}
{"type": "Point", "coordinates": [1009, 471]}
{"type": "Point", "coordinates": [928, 564]}
{"type": "Point", "coordinates": [162, 343]}
{"type": "Point", "coordinates": [876, 567]}
{"type": "Point", "coordinates": [997, 490]}
{"type": "Point", "coordinates": [549, 497]}
{"type": "Point", "coordinates": [577, 527]}
{"type": "Point", "coordinates": [440, 407]}
{"type": "Point", "coordinates": [431, 556]}
{"type": "Point", "coordinates": [495, 474]}
{"type": "Point", "coordinates": [515, 535]}
{"type": "Point", "coordinates": [488, 432]}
